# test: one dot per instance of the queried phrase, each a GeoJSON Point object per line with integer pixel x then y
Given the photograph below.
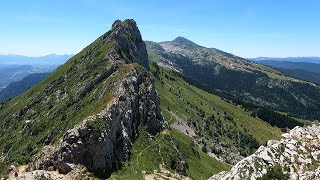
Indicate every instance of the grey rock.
{"type": "Point", "coordinates": [130, 43]}
{"type": "Point", "coordinates": [297, 153]}
{"type": "Point", "coordinates": [108, 147]}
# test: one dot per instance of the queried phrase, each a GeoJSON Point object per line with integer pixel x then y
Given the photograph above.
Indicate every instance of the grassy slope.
{"type": "Point", "coordinates": [211, 104]}
{"type": "Point", "coordinates": [148, 153]}
{"type": "Point", "coordinates": [52, 116]}
{"type": "Point", "coordinates": [200, 165]}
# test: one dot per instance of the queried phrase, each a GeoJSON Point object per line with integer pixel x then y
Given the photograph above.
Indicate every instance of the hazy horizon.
{"type": "Point", "coordinates": [247, 29]}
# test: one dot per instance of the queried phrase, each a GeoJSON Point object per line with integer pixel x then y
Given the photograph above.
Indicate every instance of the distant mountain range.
{"type": "Point", "coordinates": [302, 70]}
{"type": "Point", "coordinates": [13, 73]}
{"type": "Point", "coordinates": [312, 67]}
{"type": "Point", "coordinates": [238, 79]}
{"type": "Point", "coordinates": [14, 68]}
{"type": "Point", "coordinates": [291, 59]}
{"type": "Point", "coordinates": [51, 59]}
{"type": "Point", "coordinates": [16, 88]}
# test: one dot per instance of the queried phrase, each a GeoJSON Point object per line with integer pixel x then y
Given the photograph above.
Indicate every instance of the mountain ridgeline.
{"type": "Point", "coordinates": [302, 70]}
{"type": "Point", "coordinates": [247, 83]}
{"type": "Point", "coordinates": [88, 112]}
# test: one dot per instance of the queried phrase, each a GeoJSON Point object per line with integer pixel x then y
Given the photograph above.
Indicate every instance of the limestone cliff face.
{"type": "Point", "coordinates": [297, 154]}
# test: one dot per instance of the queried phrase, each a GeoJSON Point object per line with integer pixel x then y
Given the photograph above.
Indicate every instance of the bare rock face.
{"type": "Point", "coordinates": [297, 154]}
{"type": "Point", "coordinates": [103, 141]}
{"type": "Point", "coordinates": [130, 46]}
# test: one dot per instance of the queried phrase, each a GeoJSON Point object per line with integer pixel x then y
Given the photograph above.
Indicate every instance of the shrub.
{"type": "Point", "coordinates": [274, 173]}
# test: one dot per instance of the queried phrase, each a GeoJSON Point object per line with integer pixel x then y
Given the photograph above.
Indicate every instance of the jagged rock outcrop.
{"type": "Point", "coordinates": [130, 47]}
{"type": "Point", "coordinates": [297, 154]}
{"type": "Point", "coordinates": [103, 141]}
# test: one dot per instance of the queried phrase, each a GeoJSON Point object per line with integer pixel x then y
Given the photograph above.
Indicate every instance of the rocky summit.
{"type": "Point", "coordinates": [295, 156]}
{"type": "Point", "coordinates": [103, 140]}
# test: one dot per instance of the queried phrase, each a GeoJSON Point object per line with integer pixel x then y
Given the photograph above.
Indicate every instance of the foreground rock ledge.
{"type": "Point", "coordinates": [297, 153]}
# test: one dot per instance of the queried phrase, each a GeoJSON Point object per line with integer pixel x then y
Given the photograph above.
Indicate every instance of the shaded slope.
{"type": "Point", "coordinates": [301, 70]}
{"type": "Point", "coordinates": [11, 73]}
{"type": "Point", "coordinates": [312, 67]}
{"type": "Point", "coordinates": [239, 79]}
{"type": "Point", "coordinates": [16, 88]}
{"type": "Point", "coordinates": [215, 124]}
{"type": "Point", "coordinates": [302, 74]}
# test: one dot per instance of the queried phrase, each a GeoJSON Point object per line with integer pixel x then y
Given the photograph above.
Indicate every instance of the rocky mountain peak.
{"type": "Point", "coordinates": [90, 110]}
{"type": "Point", "coordinates": [128, 43]}
{"type": "Point", "coordinates": [128, 23]}
{"type": "Point", "coordinates": [183, 41]}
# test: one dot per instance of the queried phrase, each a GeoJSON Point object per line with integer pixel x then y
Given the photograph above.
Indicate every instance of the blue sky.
{"type": "Point", "coordinates": [248, 28]}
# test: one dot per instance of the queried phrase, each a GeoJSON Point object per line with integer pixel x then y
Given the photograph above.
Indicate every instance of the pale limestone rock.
{"type": "Point", "coordinates": [301, 151]}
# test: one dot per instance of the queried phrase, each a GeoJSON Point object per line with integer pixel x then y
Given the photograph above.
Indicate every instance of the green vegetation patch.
{"type": "Point", "coordinates": [181, 101]}
{"type": "Point", "coordinates": [40, 116]}
{"type": "Point", "coordinates": [274, 172]}
{"type": "Point", "coordinates": [200, 165]}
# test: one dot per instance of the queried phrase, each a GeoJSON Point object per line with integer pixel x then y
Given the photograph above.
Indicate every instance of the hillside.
{"type": "Point", "coordinates": [12, 73]}
{"type": "Point", "coordinates": [219, 127]}
{"type": "Point", "coordinates": [16, 88]}
{"type": "Point", "coordinates": [99, 99]}
{"type": "Point", "coordinates": [116, 111]}
{"type": "Point", "coordinates": [237, 79]}
{"type": "Point", "coordinates": [302, 74]}
{"type": "Point", "coordinates": [98, 115]}
{"type": "Point", "coordinates": [301, 70]}
{"type": "Point", "coordinates": [295, 156]}
{"type": "Point", "coordinates": [222, 129]}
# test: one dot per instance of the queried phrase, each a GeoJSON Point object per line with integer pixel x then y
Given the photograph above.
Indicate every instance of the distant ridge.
{"type": "Point", "coordinates": [182, 40]}
{"type": "Point", "coordinates": [50, 59]}
{"type": "Point", "coordinates": [237, 78]}
{"type": "Point", "coordinates": [19, 87]}
{"type": "Point", "coordinates": [310, 59]}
